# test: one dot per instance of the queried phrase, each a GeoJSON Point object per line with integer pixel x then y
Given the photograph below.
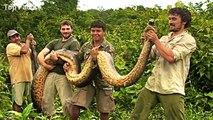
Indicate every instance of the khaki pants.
{"type": "Point", "coordinates": [20, 91]}
{"type": "Point", "coordinates": [84, 96]}
{"type": "Point", "coordinates": [173, 105]}
{"type": "Point", "coordinates": [55, 83]}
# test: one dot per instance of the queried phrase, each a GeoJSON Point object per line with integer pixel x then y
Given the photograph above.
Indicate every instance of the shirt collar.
{"type": "Point", "coordinates": [104, 43]}
{"type": "Point", "coordinates": [64, 40]}
{"type": "Point", "coordinates": [180, 35]}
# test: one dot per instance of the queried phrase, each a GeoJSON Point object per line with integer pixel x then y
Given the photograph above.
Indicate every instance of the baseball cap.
{"type": "Point", "coordinates": [11, 33]}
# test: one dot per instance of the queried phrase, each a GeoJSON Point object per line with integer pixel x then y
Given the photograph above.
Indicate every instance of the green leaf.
{"type": "Point", "coordinates": [26, 111]}
{"type": "Point", "coordinates": [210, 94]}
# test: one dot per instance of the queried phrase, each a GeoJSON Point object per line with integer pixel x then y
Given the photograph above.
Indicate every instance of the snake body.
{"type": "Point", "coordinates": [38, 87]}
{"type": "Point", "coordinates": [110, 74]}
{"type": "Point", "coordinates": [81, 78]}
{"type": "Point", "coordinates": [108, 71]}
{"type": "Point", "coordinates": [41, 74]}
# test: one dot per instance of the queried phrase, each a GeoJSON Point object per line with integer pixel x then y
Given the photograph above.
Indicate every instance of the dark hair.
{"type": "Point", "coordinates": [66, 22]}
{"type": "Point", "coordinates": [185, 15]}
{"type": "Point", "coordinates": [98, 24]}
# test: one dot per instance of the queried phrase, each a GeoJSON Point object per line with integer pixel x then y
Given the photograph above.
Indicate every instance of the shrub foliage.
{"type": "Point", "coordinates": [124, 29]}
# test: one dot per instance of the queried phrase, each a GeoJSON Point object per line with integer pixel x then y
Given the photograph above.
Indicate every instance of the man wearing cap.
{"type": "Point", "coordinates": [56, 81]}
{"type": "Point", "coordinates": [19, 57]}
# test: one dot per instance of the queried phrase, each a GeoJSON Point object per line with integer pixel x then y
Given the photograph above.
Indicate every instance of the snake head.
{"type": "Point", "coordinates": [151, 26]}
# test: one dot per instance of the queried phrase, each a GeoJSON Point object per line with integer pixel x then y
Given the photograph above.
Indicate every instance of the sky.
{"type": "Point", "coordinates": [114, 4]}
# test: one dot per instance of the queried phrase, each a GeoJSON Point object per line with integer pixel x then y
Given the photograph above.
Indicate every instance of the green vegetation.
{"type": "Point", "coordinates": [124, 29]}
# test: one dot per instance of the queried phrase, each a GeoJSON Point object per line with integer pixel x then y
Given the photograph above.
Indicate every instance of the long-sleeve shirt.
{"type": "Point", "coordinates": [168, 78]}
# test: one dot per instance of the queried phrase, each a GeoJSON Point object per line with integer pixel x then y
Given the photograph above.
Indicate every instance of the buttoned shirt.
{"type": "Point", "coordinates": [96, 74]}
{"type": "Point", "coordinates": [166, 77]}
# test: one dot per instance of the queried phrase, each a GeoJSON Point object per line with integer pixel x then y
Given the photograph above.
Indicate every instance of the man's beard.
{"type": "Point", "coordinates": [175, 29]}
{"type": "Point", "coordinates": [66, 37]}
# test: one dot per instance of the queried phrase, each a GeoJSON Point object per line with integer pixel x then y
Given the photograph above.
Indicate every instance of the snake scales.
{"type": "Point", "coordinates": [41, 74]}
{"type": "Point", "coordinates": [109, 72]}
{"type": "Point", "coordinates": [106, 66]}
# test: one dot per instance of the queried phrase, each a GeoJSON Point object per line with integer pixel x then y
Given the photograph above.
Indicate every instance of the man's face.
{"type": "Point", "coordinates": [15, 38]}
{"type": "Point", "coordinates": [66, 31]}
{"type": "Point", "coordinates": [175, 23]}
{"type": "Point", "coordinates": [97, 34]}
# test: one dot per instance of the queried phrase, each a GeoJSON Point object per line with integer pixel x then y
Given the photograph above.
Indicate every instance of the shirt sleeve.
{"type": "Point", "coordinates": [83, 54]}
{"type": "Point", "coordinates": [75, 46]}
{"type": "Point", "coordinates": [13, 50]}
{"type": "Point", "coordinates": [184, 47]}
{"type": "Point", "coordinates": [111, 50]}
{"type": "Point", "coordinates": [50, 45]}
{"type": "Point", "coordinates": [154, 52]}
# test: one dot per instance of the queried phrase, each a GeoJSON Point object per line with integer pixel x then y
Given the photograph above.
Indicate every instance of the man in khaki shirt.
{"type": "Point", "coordinates": [167, 81]}
{"type": "Point", "coordinates": [97, 87]}
{"type": "Point", "coordinates": [19, 57]}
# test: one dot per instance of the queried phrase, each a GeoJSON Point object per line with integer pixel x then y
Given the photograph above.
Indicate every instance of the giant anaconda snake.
{"type": "Point", "coordinates": [106, 66]}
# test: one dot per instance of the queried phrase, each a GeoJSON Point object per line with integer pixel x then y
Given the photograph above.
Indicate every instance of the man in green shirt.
{"type": "Point", "coordinates": [167, 81]}
{"type": "Point", "coordinates": [56, 81]}
{"type": "Point", "coordinates": [98, 88]}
